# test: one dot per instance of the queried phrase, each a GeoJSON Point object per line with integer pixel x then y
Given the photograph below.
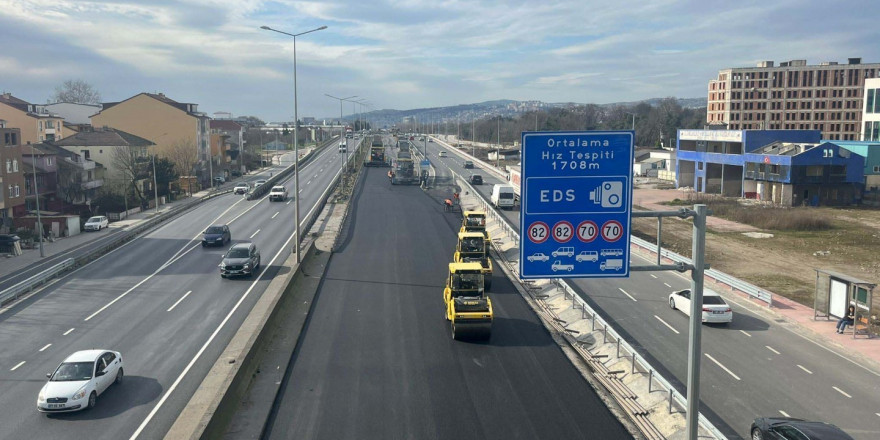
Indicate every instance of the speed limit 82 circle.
{"type": "Point", "coordinates": [539, 232]}
{"type": "Point", "coordinates": [563, 231]}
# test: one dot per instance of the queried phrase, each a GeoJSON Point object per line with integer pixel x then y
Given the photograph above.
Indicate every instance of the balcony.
{"type": "Point", "coordinates": [92, 184]}
{"type": "Point", "coordinates": [81, 163]}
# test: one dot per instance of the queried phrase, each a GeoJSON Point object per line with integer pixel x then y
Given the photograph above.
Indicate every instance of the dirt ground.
{"type": "Point", "coordinates": [782, 262]}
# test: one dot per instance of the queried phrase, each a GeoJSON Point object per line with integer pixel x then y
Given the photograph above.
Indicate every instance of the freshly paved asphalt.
{"type": "Point", "coordinates": [175, 304]}
{"type": "Point", "coordinates": [377, 361]}
{"type": "Point", "coordinates": [767, 367]}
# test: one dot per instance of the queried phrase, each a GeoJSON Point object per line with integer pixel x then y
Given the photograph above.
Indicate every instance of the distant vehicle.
{"type": "Point", "coordinates": [476, 179]}
{"type": "Point", "coordinates": [96, 223]}
{"type": "Point", "coordinates": [611, 264]}
{"type": "Point", "coordinates": [235, 173]}
{"type": "Point", "coordinates": [241, 259]}
{"type": "Point", "coordinates": [611, 252]}
{"type": "Point", "coordinates": [784, 428]}
{"type": "Point", "coordinates": [502, 196]}
{"type": "Point", "coordinates": [279, 193]}
{"type": "Point", "coordinates": [468, 164]}
{"type": "Point", "coordinates": [564, 251]}
{"type": "Point", "coordinates": [538, 257]}
{"type": "Point", "coordinates": [587, 256]}
{"type": "Point", "coordinates": [241, 188]}
{"type": "Point", "coordinates": [422, 138]}
{"type": "Point", "coordinates": [557, 266]}
{"type": "Point", "coordinates": [441, 154]}
{"type": "Point", "coordinates": [259, 182]}
{"type": "Point", "coordinates": [715, 310]}
{"type": "Point", "coordinates": [79, 380]}
{"type": "Point", "coordinates": [219, 180]}
{"type": "Point", "coordinates": [216, 235]}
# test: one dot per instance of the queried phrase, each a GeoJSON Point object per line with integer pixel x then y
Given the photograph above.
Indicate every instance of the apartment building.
{"type": "Point", "coordinates": [36, 122]}
{"type": "Point", "coordinates": [102, 145]}
{"type": "Point", "coordinates": [11, 174]}
{"type": "Point", "coordinates": [792, 96]}
{"type": "Point", "coordinates": [871, 111]}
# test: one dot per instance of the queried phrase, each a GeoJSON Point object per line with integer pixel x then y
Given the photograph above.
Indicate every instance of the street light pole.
{"type": "Point", "coordinates": [37, 197]}
{"type": "Point", "coordinates": [155, 185]}
{"type": "Point", "coordinates": [295, 137]}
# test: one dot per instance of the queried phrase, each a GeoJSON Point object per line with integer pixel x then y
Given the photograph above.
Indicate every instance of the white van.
{"type": "Point", "coordinates": [502, 196]}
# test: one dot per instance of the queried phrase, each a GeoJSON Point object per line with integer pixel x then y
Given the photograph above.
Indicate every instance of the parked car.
{"type": "Point", "coordinates": [476, 179]}
{"type": "Point", "coordinates": [241, 188]}
{"type": "Point", "coordinates": [241, 259]}
{"type": "Point", "coordinates": [79, 380]}
{"type": "Point", "coordinates": [96, 223]}
{"type": "Point", "coordinates": [219, 180]}
{"type": "Point", "coordinates": [216, 235]}
{"type": "Point", "coordinates": [279, 193]}
{"type": "Point", "coordinates": [785, 428]}
{"type": "Point", "coordinates": [715, 309]}
{"type": "Point", "coordinates": [538, 257]}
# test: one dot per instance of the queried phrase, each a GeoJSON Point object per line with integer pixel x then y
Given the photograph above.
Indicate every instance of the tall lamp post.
{"type": "Point", "coordinates": [155, 185]}
{"type": "Point", "coordinates": [295, 136]}
{"type": "Point", "coordinates": [37, 198]}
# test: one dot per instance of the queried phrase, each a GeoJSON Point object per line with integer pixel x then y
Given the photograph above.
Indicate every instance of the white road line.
{"type": "Point", "coordinates": [288, 202]}
{"type": "Point", "coordinates": [276, 214]}
{"type": "Point", "coordinates": [771, 349]}
{"type": "Point", "coordinates": [666, 324]}
{"type": "Point", "coordinates": [878, 414]}
{"type": "Point", "coordinates": [16, 367]}
{"type": "Point", "coordinates": [255, 233]}
{"type": "Point", "coordinates": [68, 332]}
{"type": "Point", "coordinates": [745, 333]}
{"type": "Point", "coordinates": [45, 347]}
{"type": "Point", "coordinates": [653, 276]}
{"type": "Point", "coordinates": [722, 366]}
{"type": "Point", "coordinates": [802, 368]}
{"type": "Point", "coordinates": [300, 190]}
{"type": "Point", "coordinates": [178, 301]}
{"type": "Point", "coordinates": [630, 296]}
{"type": "Point", "coordinates": [667, 285]}
{"type": "Point", "coordinates": [784, 414]}
{"type": "Point", "coordinates": [838, 390]}
{"type": "Point", "coordinates": [308, 182]}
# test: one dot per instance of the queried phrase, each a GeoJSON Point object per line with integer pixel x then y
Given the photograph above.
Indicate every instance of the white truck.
{"type": "Point", "coordinates": [502, 196]}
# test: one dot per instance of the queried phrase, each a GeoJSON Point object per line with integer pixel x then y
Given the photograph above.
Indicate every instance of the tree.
{"type": "Point", "coordinates": [184, 157]}
{"type": "Point", "coordinates": [69, 185]}
{"type": "Point", "coordinates": [251, 121]}
{"type": "Point", "coordinates": [132, 163]}
{"type": "Point", "coordinates": [76, 91]}
{"type": "Point", "coordinates": [166, 172]}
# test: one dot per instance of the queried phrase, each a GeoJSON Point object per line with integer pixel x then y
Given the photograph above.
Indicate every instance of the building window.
{"type": "Point", "coordinates": [41, 126]}
{"type": "Point", "coordinates": [17, 191]}
{"type": "Point", "coordinates": [14, 165]}
{"type": "Point", "coordinates": [9, 164]}
{"type": "Point", "coordinates": [50, 124]}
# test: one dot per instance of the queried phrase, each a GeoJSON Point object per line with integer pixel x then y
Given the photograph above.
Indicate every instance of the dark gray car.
{"type": "Point", "coordinates": [242, 259]}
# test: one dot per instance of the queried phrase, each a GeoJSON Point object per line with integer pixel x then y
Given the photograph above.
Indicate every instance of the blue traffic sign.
{"type": "Point", "coordinates": [576, 204]}
{"type": "Point", "coordinates": [425, 163]}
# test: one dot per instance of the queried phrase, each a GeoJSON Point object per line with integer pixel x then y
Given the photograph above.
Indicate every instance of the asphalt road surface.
{"type": "Point", "coordinates": [756, 366]}
{"type": "Point", "coordinates": [160, 301]}
{"type": "Point", "coordinates": [377, 360]}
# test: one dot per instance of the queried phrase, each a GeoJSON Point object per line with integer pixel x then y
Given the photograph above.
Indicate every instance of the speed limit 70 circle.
{"type": "Point", "coordinates": [612, 230]}
{"type": "Point", "coordinates": [587, 231]}
{"type": "Point", "coordinates": [539, 232]}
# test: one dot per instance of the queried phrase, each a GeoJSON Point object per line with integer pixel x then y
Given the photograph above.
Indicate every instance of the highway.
{"type": "Point", "coordinates": [377, 360]}
{"type": "Point", "coordinates": [753, 367]}
{"type": "Point", "coordinates": [160, 301]}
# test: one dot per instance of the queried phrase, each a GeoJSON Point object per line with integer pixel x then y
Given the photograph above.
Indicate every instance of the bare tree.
{"type": "Point", "coordinates": [132, 163]}
{"type": "Point", "coordinates": [77, 91]}
{"type": "Point", "coordinates": [184, 156]}
{"type": "Point", "coordinates": [69, 184]}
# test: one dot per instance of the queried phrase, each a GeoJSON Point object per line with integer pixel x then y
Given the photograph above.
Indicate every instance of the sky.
{"type": "Point", "coordinates": [403, 54]}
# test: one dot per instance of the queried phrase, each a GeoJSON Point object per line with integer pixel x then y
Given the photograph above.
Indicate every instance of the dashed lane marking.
{"type": "Point", "coordinates": [17, 365]}
{"type": "Point", "coordinates": [45, 347]}
{"type": "Point", "coordinates": [722, 366]}
{"type": "Point", "coordinates": [802, 368]}
{"type": "Point", "coordinates": [666, 324]}
{"type": "Point", "coordinates": [178, 301]}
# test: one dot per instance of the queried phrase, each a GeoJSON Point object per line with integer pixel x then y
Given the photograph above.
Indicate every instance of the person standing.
{"type": "Point", "coordinates": [849, 319]}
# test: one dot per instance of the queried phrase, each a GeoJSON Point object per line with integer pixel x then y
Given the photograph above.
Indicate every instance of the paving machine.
{"type": "Point", "coordinates": [468, 307]}
{"type": "Point", "coordinates": [377, 154]}
{"type": "Point", "coordinates": [404, 172]}
{"type": "Point", "coordinates": [473, 247]}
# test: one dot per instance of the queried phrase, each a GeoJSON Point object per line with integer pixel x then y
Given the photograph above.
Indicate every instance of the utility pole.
{"type": "Point", "coordinates": [155, 185]}
{"type": "Point", "coordinates": [37, 198]}
{"type": "Point", "coordinates": [498, 150]}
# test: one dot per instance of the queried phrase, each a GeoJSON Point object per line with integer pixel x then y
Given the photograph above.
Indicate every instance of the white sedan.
{"type": "Point", "coordinates": [79, 380]}
{"type": "Point", "coordinates": [96, 223]}
{"type": "Point", "coordinates": [715, 310]}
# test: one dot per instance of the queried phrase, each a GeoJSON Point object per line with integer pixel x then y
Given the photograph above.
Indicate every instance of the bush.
{"type": "Point", "coordinates": [764, 217]}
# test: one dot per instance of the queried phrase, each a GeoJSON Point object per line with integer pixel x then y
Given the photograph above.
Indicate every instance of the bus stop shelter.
{"type": "Point", "coordinates": [835, 292]}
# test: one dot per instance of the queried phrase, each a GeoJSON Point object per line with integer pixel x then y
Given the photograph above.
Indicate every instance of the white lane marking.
{"type": "Point", "coordinates": [255, 233]}
{"type": "Point", "coordinates": [308, 182]}
{"type": "Point", "coordinates": [276, 214]}
{"type": "Point", "coordinates": [17, 365]}
{"type": "Point", "coordinates": [288, 202]}
{"type": "Point", "coordinates": [722, 366]}
{"type": "Point", "coordinates": [178, 301]}
{"type": "Point", "coordinates": [784, 414]}
{"type": "Point", "coordinates": [68, 332]}
{"type": "Point", "coordinates": [300, 190]}
{"type": "Point", "coordinates": [667, 285]}
{"type": "Point", "coordinates": [653, 276]}
{"type": "Point", "coordinates": [832, 351]}
{"type": "Point", "coordinates": [841, 392]}
{"type": "Point", "coordinates": [666, 324]}
{"type": "Point", "coordinates": [802, 368]}
{"type": "Point", "coordinates": [630, 296]}
{"type": "Point", "coordinates": [772, 349]}
{"type": "Point", "coordinates": [878, 414]}
{"type": "Point", "coordinates": [213, 335]}
{"type": "Point", "coordinates": [45, 347]}
{"type": "Point", "coordinates": [745, 333]}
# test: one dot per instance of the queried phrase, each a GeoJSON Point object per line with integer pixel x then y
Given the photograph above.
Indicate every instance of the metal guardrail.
{"type": "Point", "coordinates": [718, 276]}
{"type": "Point", "coordinates": [606, 328]}
{"type": "Point", "coordinates": [27, 285]}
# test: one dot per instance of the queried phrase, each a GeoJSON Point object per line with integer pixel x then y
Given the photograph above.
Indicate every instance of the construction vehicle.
{"type": "Point", "coordinates": [404, 173]}
{"type": "Point", "coordinates": [468, 308]}
{"type": "Point", "coordinates": [377, 154]}
{"type": "Point", "coordinates": [473, 247]}
{"type": "Point", "coordinates": [474, 221]}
